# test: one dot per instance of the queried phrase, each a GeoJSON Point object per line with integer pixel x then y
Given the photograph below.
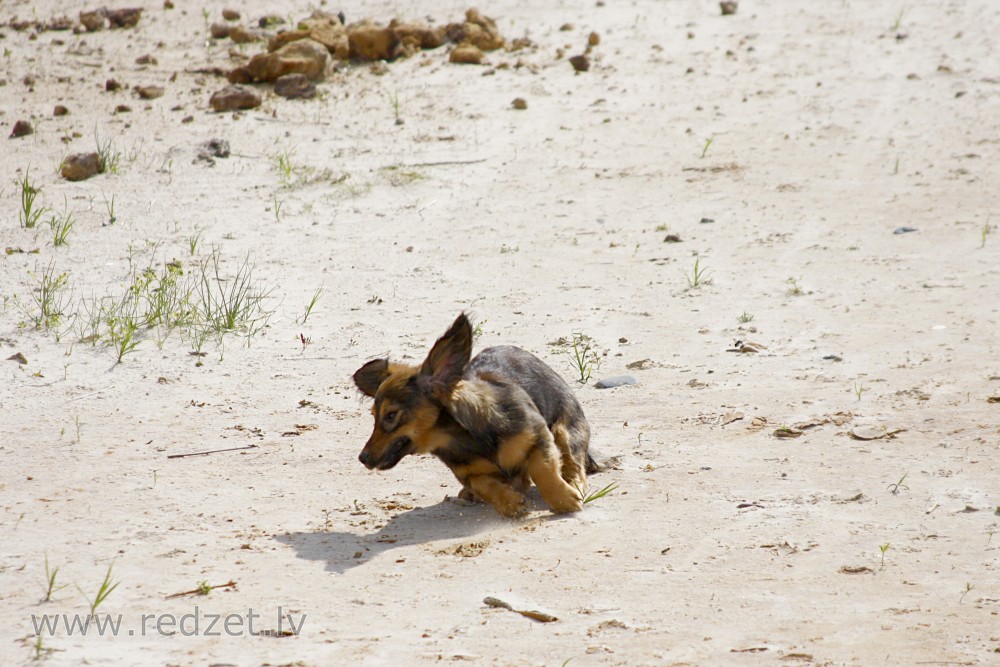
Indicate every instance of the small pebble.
{"type": "Point", "coordinates": [616, 381]}
{"type": "Point", "coordinates": [903, 230]}
{"type": "Point", "coordinates": [21, 128]}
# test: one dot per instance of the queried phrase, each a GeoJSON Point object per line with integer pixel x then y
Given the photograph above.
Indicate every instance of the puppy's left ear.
{"type": "Point", "coordinates": [370, 376]}
{"type": "Point", "coordinates": [444, 365]}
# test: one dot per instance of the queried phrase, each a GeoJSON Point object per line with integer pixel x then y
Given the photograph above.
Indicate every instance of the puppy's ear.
{"type": "Point", "coordinates": [446, 361]}
{"type": "Point", "coordinates": [370, 376]}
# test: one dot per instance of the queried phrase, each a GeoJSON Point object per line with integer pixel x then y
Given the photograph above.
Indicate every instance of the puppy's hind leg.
{"type": "Point", "coordinates": [545, 467]}
{"type": "Point", "coordinates": [572, 463]}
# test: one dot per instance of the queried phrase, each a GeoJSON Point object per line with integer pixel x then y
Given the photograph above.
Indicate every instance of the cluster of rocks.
{"type": "Point", "coordinates": [90, 21]}
{"type": "Point", "coordinates": [296, 58]}
{"type": "Point", "coordinates": [98, 19]}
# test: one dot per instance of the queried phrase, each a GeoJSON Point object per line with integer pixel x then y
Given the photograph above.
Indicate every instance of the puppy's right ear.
{"type": "Point", "coordinates": [444, 365]}
{"type": "Point", "coordinates": [370, 376]}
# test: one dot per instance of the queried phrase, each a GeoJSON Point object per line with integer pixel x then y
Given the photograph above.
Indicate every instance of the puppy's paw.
{"type": "Point", "coordinates": [566, 501]}
{"type": "Point", "coordinates": [511, 505]}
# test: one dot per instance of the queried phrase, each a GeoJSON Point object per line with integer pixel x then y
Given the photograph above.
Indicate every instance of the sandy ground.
{"type": "Point", "coordinates": [782, 145]}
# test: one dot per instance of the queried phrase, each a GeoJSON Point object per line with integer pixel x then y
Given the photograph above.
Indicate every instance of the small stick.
{"type": "Point", "coordinates": [539, 616]}
{"type": "Point", "coordinates": [443, 163]}
{"type": "Point", "coordinates": [211, 451]}
{"type": "Point", "coordinates": [201, 591]}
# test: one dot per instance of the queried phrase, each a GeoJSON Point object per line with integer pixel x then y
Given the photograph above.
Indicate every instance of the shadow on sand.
{"type": "Point", "coordinates": [443, 521]}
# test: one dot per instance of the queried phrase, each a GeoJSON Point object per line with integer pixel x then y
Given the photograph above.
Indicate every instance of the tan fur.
{"type": "Point", "coordinates": [513, 451]}
{"type": "Point", "coordinates": [544, 470]}
{"type": "Point", "coordinates": [473, 403]}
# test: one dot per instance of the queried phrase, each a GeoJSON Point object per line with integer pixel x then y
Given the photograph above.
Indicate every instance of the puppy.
{"type": "Point", "coordinates": [499, 421]}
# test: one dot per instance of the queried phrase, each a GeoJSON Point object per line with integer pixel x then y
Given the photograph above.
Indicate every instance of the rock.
{"type": "Point", "coordinates": [80, 166]}
{"type": "Point", "coordinates": [147, 59]}
{"type": "Point", "coordinates": [418, 35]}
{"type": "Point", "coordinates": [239, 75]}
{"type": "Point", "coordinates": [124, 18]}
{"type": "Point", "coordinates": [904, 230]}
{"type": "Point", "coordinates": [230, 14]}
{"type": "Point", "coordinates": [728, 7]}
{"type": "Point", "coordinates": [294, 86]}
{"type": "Point", "coordinates": [219, 30]}
{"type": "Point", "coordinates": [467, 54]}
{"type": "Point", "coordinates": [94, 20]}
{"type": "Point", "coordinates": [478, 30]}
{"type": "Point", "coordinates": [216, 148]}
{"type": "Point", "coordinates": [60, 110]}
{"type": "Point", "coordinates": [149, 92]}
{"type": "Point", "coordinates": [21, 128]}
{"type": "Point", "coordinates": [580, 63]}
{"type": "Point", "coordinates": [303, 56]}
{"type": "Point", "coordinates": [370, 41]}
{"type": "Point", "coordinates": [123, 108]}
{"type": "Point", "coordinates": [593, 39]}
{"type": "Point", "coordinates": [111, 85]}
{"type": "Point", "coordinates": [616, 381]}
{"type": "Point", "coordinates": [242, 35]}
{"type": "Point", "coordinates": [211, 149]}
{"type": "Point", "coordinates": [519, 103]}
{"type": "Point", "coordinates": [329, 31]}
{"type": "Point", "coordinates": [232, 98]}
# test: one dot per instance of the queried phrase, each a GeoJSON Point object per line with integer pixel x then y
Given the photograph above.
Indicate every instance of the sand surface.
{"type": "Point", "coordinates": [781, 147]}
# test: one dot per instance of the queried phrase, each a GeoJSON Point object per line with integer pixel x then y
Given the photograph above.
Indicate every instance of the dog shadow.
{"type": "Point", "coordinates": [447, 520]}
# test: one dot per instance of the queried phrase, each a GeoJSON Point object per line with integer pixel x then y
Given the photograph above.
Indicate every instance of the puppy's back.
{"type": "Point", "coordinates": [549, 392]}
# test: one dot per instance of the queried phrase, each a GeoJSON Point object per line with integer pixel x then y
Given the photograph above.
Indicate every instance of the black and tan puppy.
{"type": "Point", "coordinates": [499, 421]}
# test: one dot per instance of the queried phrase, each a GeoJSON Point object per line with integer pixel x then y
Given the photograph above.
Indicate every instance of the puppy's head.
{"type": "Point", "coordinates": [409, 399]}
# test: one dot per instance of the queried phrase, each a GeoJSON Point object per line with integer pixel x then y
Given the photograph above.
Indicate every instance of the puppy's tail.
{"type": "Point", "coordinates": [592, 465]}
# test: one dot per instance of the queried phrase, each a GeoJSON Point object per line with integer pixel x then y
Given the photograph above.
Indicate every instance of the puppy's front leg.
{"type": "Point", "coordinates": [505, 500]}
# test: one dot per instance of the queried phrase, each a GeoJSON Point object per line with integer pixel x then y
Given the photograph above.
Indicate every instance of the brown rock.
{"type": "Point", "coordinates": [124, 18]}
{"type": "Point", "coordinates": [219, 30]}
{"type": "Point", "coordinates": [580, 63]}
{"type": "Point", "coordinates": [80, 166]}
{"type": "Point", "coordinates": [123, 108]}
{"type": "Point", "coordinates": [60, 110]}
{"type": "Point", "coordinates": [147, 59]}
{"type": "Point", "coordinates": [418, 34]}
{"type": "Point", "coordinates": [232, 98]}
{"type": "Point", "coordinates": [230, 14]}
{"type": "Point", "coordinates": [593, 39]}
{"type": "Point", "coordinates": [149, 92]}
{"type": "Point", "coordinates": [111, 85]}
{"type": "Point", "coordinates": [370, 41]}
{"type": "Point", "coordinates": [519, 103]}
{"type": "Point", "coordinates": [295, 86]}
{"type": "Point", "coordinates": [286, 37]}
{"type": "Point", "coordinates": [728, 7]}
{"type": "Point", "coordinates": [329, 31]}
{"type": "Point", "coordinates": [239, 75]}
{"type": "Point", "coordinates": [94, 20]}
{"type": "Point", "coordinates": [242, 35]}
{"type": "Point", "coordinates": [466, 54]}
{"type": "Point", "coordinates": [478, 30]}
{"type": "Point", "coordinates": [21, 128]}
{"type": "Point", "coordinates": [303, 56]}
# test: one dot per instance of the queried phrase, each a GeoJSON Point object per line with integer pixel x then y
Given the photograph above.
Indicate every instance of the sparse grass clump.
{"type": "Point", "coordinates": [30, 213]}
{"type": "Point", "coordinates": [202, 304]}
{"type": "Point", "coordinates": [50, 298]}
{"type": "Point", "coordinates": [61, 226]}
{"type": "Point", "coordinates": [582, 355]}
{"type": "Point", "coordinates": [698, 276]}
{"type": "Point", "coordinates": [50, 577]}
{"type": "Point", "coordinates": [103, 592]}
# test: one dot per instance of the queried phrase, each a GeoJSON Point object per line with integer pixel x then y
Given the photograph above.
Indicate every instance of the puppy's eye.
{"type": "Point", "coordinates": [389, 419]}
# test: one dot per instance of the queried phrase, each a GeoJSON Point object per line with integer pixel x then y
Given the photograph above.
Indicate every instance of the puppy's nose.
{"type": "Point", "coordinates": [363, 457]}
